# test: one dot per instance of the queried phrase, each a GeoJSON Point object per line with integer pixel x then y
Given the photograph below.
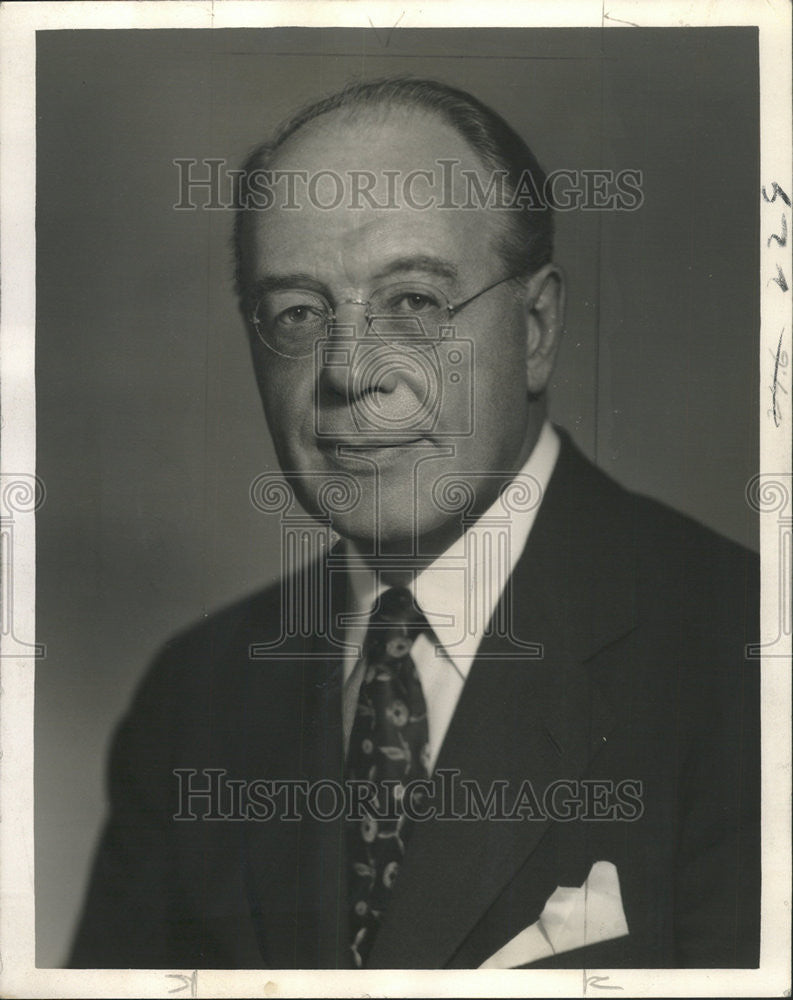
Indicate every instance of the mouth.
{"type": "Point", "coordinates": [359, 453]}
{"type": "Point", "coordinates": [364, 443]}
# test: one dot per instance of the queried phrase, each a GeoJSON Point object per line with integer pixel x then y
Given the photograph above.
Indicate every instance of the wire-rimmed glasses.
{"type": "Point", "coordinates": [291, 320]}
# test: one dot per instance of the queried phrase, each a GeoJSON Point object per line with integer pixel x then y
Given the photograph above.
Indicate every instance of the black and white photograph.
{"type": "Point", "coordinates": [396, 499]}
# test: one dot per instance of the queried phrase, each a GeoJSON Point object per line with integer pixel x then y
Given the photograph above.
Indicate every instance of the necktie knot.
{"type": "Point", "coordinates": [397, 606]}
{"type": "Point", "coordinates": [395, 622]}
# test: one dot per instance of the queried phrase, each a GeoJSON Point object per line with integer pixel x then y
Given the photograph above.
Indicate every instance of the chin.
{"type": "Point", "coordinates": [348, 499]}
{"type": "Point", "coordinates": [397, 536]}
{"type": "Point", "coordinates": [361, 531]}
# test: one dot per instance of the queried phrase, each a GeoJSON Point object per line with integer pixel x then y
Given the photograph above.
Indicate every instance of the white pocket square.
{"type": "Point", "coordinates": [572, 918]}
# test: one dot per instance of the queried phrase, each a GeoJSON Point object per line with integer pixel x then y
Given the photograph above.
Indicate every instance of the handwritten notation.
{"type": "Point", "coordinates": [598, 982]}
{"type": "Point", "coordinates": [781, 361]}
{"type": "Point", "coordinates": [779, 356]}
{"type": "Point", "coordinates": [188, 983]}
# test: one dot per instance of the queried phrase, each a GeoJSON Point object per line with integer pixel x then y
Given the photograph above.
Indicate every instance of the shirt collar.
{"type": "Point", "coordinates": [460, 590]}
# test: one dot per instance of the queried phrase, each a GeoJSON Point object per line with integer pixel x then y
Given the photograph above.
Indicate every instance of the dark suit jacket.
{"type": "Point", "coordinates": [643, 617]}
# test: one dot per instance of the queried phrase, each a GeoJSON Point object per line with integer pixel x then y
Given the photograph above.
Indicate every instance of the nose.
{"type": "Point", "coordinates": [352, 369]}
{"type": "Point", "coordinates": [349, 366]}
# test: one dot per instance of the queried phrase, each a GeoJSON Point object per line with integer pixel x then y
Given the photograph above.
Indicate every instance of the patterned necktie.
{"type": "Point", "coordinates": [388, 747]}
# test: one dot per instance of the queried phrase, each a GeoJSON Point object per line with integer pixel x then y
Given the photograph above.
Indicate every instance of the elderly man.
{"type": "Point", "coordinates": [521, 729]}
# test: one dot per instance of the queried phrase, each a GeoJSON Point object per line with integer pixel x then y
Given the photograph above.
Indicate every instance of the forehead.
{"type": "Point", "coordinates": [331, 159]}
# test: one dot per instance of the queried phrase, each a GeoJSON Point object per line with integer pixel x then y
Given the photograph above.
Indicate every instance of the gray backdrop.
{"type": "Point", "coordinates": [149, 428]}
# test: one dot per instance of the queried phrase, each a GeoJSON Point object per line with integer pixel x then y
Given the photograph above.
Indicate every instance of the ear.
{"type": "Point", "coordinates": [545, 302]}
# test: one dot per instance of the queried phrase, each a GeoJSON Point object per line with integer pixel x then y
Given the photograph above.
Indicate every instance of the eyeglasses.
{"type": "Point", "coordinates": [291, 320]}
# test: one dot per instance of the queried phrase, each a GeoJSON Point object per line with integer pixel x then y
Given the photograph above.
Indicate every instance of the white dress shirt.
{"type": "Point", "coordinates": [458, 594]}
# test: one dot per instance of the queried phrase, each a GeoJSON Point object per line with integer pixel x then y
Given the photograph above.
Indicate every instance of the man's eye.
{"type": "Point", "coordinates": [415, 302]}
{"type": "Point", "coordinates": [297, 316]}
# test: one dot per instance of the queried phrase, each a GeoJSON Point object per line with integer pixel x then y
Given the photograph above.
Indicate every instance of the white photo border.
{"type": "Point", "coordinates": [20, 21]}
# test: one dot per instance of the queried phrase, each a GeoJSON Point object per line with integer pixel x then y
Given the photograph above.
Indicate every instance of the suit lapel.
{"type": "Point", "coordinates": [297, 900]}
{"type": "Point", "coordinates": [517, 719]}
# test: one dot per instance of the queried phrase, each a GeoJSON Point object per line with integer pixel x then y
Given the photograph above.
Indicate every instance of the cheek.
{"type": "Point", "coordinates": [500, 389]}
{"type": "Point", "coordinates": [287, 396]}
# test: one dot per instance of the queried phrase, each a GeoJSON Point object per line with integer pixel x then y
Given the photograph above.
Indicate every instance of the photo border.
{"type": "Point", "coordinates": [20, 21]}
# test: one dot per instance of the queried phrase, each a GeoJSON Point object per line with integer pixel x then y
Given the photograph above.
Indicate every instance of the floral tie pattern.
{"type": "Point", "coordinates": [388, 747]}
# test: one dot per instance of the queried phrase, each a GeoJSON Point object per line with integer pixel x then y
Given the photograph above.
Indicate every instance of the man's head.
{"type": "Point", "coordinates": [406, 335]}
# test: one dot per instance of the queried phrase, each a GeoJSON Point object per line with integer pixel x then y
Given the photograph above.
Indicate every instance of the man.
{"type": "Point", "coordinates": [528, 686]}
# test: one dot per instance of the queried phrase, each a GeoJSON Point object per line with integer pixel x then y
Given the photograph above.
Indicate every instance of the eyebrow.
{"type": "Point", "coordinates": [419, 262]}
{"type": "Point", "coordinates": [424, 263]}
{"type": "Point", "coordinates": [276, 282]}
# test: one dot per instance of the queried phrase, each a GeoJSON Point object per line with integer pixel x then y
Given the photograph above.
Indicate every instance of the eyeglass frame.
{"type": "Point", "coordinates": [452, 310]}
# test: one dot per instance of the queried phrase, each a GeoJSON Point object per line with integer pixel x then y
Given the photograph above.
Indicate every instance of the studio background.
{"type": "Point", "coordinates": [149, 429]}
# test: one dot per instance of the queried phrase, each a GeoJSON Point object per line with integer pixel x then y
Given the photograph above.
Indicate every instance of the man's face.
{"type": "Point", "coordinates": [402, 414]}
